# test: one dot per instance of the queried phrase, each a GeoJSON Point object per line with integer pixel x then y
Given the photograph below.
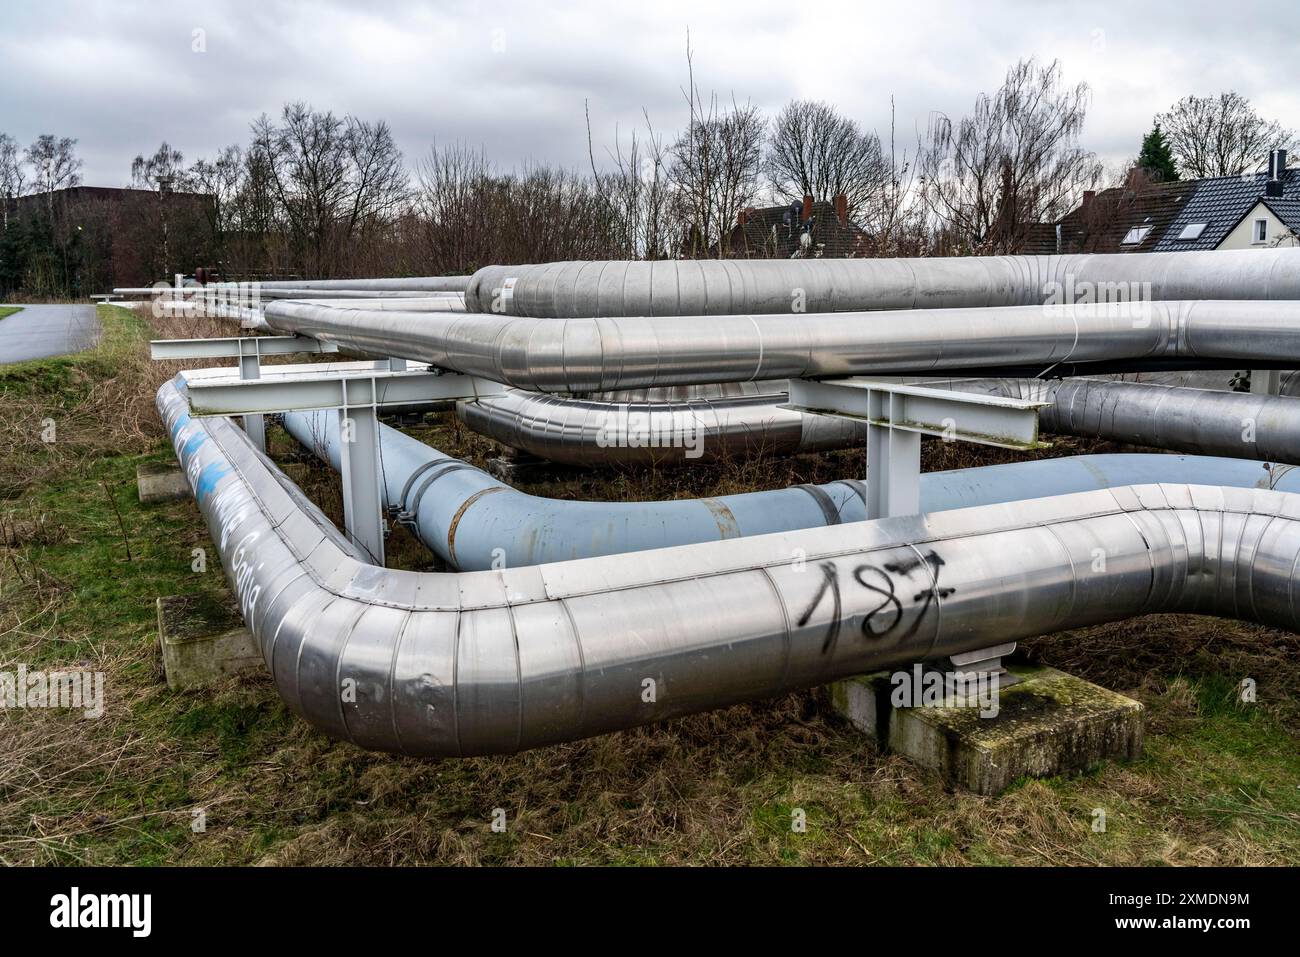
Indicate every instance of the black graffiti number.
{"type": "Point", "coordinates": [830, 583]}
{"type": "Point", "coordinates": [887, 600]}
{"type": "Point", "coordinates": [887, 615]}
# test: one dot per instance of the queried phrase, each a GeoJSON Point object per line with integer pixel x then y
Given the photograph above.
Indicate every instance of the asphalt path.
{"type": "Point", "coordinates": [40, 331]}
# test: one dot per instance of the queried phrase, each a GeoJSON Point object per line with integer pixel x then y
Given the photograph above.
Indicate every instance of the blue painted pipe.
{"type": "Point", "coordinates": [473, 521]}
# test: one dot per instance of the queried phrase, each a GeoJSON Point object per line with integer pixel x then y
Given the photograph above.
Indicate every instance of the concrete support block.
{"type": "Point", "coordinates": [161, 483]}
{"type": "Point", "coordinates": [1047, 723]}
{"type": "Point", "coordinates": [516, 467]}
{"type": "Point", "coordinates": [203, 641]}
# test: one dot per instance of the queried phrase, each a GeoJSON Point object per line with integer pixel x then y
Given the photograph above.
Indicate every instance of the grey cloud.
{"type": "Point", "coordinates": [513, 76]}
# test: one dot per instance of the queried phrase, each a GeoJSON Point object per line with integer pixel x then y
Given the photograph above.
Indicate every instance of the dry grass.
{"type": "Point", "coordinates": [1218, 784]}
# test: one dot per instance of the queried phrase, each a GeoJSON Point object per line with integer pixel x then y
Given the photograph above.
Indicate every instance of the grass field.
{"type": "Point", "coordinates": [83, 561]}
{"type": "Point", "coordinates": [6, 311]}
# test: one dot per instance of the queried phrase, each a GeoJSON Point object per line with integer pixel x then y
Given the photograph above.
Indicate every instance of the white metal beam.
{"type": "Point", "coordinates": [380, 389]}
{"type": "Point", "coordinates": [235, 347]}
{"type": "Point", "coordinates": [964, 416]}
{"type": "Point", "coordinates": [898, 414]}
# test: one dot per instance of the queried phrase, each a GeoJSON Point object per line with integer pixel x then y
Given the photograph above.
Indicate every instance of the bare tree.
{"type": "Point", "coordinates": [377, 179]}
{"type": "Point", "coordinates": [814, 151]}
{"type": "Point", "coordinates": [638, 194]}
{"type": "Point", "coordinates": [1221, 135]}
{"type": "Point", "coordinates": [11, 175]}
{"type": "Point", "coordinates": [714, 166]}
{"type": "Point", "coordinates": [163, 173]}
{"type": "Point", "coordinates": [164, 170]}
{"type": "Point", "coordinates": [1013, 162]}
{"type": "Point", "coordinates": [55, 163]}
{"type": "Point", "coordinates": [331, 177]}
{"type": "Point", "coordinates": [893, 216]}
{"type": "Point", "coordinates": [220, 179]}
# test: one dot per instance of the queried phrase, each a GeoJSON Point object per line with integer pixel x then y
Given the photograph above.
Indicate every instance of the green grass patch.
{"type": "Point", "coordinates": [7, 311]}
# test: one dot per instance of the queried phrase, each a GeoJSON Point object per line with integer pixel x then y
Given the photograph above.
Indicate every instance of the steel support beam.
{"type": "Point", "coordinates": [358, 394]}
{"type": "Point", "coordinates": [898, 414]}
{"type": "Point", "coordinates": [236, 347]}
{"type": "Point", "coordinates": [363, 496]}
{"type": "Point", "coordinates": [1266, 381]}
{"type": "Point", "coordinates": [380, 389]}
{"type": "Point", "coordinates": [248, 350]}
{"type": "Point", "coordinates": [250, 368]}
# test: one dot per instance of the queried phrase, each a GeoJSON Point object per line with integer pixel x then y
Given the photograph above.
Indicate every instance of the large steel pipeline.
{"type": "Point", "coordinates": [417, 284]}
{"type": "Point", "coordinates": [741, 286]}
{"type": "Point", "coordinates": [1238, 424]}
{"type": "Point", "coordinates": [612, 429]}
{"type": "Point", "coordinates": [500, 661]}
{"type": "Point", "coordinates": [619, 428]}
{"type": "Point", "coordinates": [598, 355]}
{"type": "Point", "coordinates": [473, 521]}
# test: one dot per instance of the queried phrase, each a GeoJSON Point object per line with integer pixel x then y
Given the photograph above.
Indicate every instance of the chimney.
{"type": "Point", "coordinates": [742, 216]}
{"type": "Point", "coordinates": [1088, 196]}
{"type": "Point", "coordinates": [807, 207]}
{"type": "Point", "coordinates": [1276, 173]}
{"type": "Point", "coordinates": [842, 208]}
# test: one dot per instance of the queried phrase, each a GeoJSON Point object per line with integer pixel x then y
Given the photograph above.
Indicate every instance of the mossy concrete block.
{"type": "Point", "coordinates": [1048, 723]}
{"type": "Point", "coordinates": [158, 482]}
{"type": "Point", "coordinates": [202, 641]}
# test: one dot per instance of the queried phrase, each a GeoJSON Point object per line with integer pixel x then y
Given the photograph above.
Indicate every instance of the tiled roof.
{"type": "Point", "coordinates": [1222, 202]}
{"type": "Point", "coordinates": [1286, 208]}
{"type": "Point", "coordinates": [1102, 223]}
{"type": "Point", "coordinates": [766, 235]}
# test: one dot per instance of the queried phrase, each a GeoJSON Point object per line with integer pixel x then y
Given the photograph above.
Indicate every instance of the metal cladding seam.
{"type": "Point", "coordinates": [445, 500]}
{"type": "Point", "coordinates": [600, 355]}
{"type": "Point", "coordinates": [713, 287]}
{"type": "Point", "coordinates": [500, 661]}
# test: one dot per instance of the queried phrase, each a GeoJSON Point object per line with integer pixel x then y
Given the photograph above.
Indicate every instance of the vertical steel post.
{"type": "Point", "coordinates": [893, 461]}
{"type": "Point", "coordinates": [363, 499]}
{"type": "Point", "coordinates": [250, 367]}
{"type": "Point", "coordinates": [1266, 381]}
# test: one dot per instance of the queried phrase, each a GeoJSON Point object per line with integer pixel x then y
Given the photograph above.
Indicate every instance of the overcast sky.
{"type": "Point", "coordinates": [121, 76]}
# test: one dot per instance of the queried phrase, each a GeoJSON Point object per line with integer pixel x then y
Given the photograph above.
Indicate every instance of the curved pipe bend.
{"type": "Point", "coordinates": [586, 431]}
{"type": "Point", "coordinates": [500, 661]}
{"type": "Point", "coordinates": [599, 430]}
{"type": "Point", "coordinates": [473, 521]}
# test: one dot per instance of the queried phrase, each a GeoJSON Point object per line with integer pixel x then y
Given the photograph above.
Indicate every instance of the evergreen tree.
{"type": "Point", "coordinates": [1156, 157]}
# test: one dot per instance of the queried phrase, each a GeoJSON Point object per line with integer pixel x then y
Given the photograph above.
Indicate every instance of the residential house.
{"type": "Point", "coordinates": [813, 229]}
{"type": "Point", "coordinates": [1249, 211]}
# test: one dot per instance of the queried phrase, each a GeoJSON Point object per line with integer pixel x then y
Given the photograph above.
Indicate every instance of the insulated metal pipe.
{"type": "Point", "coordinates": [473, 521]}
{"type": "Point", "coordinates": [501, 661]}
{"type": "Point", "coordinates": [416, 284]}
{"type": "Point", "coordinates": [596, 355]}
{"type": "Point", "coordinates": [585, 431]}
{"type": "Point", "coordinates": [1238, 424]}
{"type": "Point", "coordinates": [734, 286]}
